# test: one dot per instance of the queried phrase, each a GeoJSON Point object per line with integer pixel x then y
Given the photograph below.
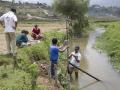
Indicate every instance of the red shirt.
{"type": "Point", "coordinates": [36, 31]}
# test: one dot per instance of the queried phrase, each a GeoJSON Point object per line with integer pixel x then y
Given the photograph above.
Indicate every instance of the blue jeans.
{"type": "Point", "coordinates": [53, 69]}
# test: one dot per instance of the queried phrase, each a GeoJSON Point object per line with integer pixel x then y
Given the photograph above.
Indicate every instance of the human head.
{"type": "Point", "coordinates": [13, 10]}
{"type": "Point", "coordinates": [36, 26]}
{"type": "Point", "coordinates": [25, 32]}
{"type": "Point", "coordinates": [77, 49]}
{"type": "Point", "coordinates": [54, 41]}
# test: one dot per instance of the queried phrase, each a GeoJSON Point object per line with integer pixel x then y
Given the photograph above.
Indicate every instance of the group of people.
{"type": "Point", "coordinates": [9, 22]}
{"type": "Point", "coordinates": [22, 39]}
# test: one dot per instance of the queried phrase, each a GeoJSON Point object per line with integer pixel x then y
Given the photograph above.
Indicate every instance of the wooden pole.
{"type": "Point", "coordinates": [68, 75]}
{"type": "Point", "coordinates": [85, 72]}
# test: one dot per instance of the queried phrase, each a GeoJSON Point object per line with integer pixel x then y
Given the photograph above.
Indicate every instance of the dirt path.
{"type": "Point", "coordinates": [46, 83]}
{"type": "Point", "coordinates": [2, 43]}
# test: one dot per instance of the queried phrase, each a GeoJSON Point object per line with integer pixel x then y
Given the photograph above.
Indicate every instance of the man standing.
{"type": "Point", "coordinates": [9, 22]}
{"type": "Point", "coordinates": [75, 58]}
{"type": "Point", "coordinates": [54, 55]}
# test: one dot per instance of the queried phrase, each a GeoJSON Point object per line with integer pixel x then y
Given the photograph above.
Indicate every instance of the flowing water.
{"type": "Point", "coordinates": [98, 65]}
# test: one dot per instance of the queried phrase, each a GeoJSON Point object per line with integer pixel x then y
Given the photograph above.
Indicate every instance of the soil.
{"type": "Point", "coordinates": [46, 83]}
{"type": "Point", "coordinates": [45, 27]}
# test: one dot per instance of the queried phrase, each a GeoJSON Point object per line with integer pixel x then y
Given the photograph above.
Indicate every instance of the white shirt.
{"type": "Point", "coordinates": [9, 21]}
{"type": "Point", "coordinates": [73, 60]}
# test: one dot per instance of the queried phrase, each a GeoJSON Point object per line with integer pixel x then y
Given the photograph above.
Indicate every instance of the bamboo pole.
{"type": "Point", "coordinates": [85, 72]}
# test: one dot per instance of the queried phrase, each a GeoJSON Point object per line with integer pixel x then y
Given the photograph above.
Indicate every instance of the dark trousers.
{"type": "Point", "coordinates": [53, 69]}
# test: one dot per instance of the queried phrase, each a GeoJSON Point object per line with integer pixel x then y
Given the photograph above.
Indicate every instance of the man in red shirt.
{"type": "Point", "coordinates": [36, 33]}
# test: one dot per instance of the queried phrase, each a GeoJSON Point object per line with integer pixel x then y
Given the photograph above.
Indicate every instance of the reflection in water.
{"type": "Point", "coordinates": [90, 84]}
{"type": "Point", "coordinates": [97, 64]}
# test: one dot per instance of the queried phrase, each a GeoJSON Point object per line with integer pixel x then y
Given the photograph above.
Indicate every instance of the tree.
{"type": "Point", "coordinates": [75, 10]}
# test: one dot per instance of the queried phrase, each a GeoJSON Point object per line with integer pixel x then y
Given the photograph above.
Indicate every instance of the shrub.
{"type": "Point", "coordinates": [110, 43]}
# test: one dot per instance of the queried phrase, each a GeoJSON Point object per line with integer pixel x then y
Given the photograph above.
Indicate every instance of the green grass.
{"type": "Point", "coordinates": [36, 21]}
{"type": "Point", "coordinates": [109, 42]}
{"type": "Point", "coordinates": [5, 60]}
{"type": "Point", "coordinates": [20, 78]}
{"type": "Point", "coordinates": [14, 79]}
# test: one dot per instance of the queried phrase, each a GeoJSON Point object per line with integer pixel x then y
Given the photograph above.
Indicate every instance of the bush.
{"type": "Point", "coordinates": [110, 43]}
{"type": "Point", "coordinates": [14, 80]}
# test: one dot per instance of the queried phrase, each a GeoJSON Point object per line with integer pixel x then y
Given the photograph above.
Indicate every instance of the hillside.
{"type": "Point", "coordinates": [99, 11]}
{"type": "Point", "coordinates": [28, 10]}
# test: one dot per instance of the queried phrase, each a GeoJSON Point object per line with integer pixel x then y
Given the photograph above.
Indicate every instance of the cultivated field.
{"type": "Point", "coordinates": [44, 26]}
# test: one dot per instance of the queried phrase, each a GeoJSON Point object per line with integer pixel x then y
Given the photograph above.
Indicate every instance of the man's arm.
{"type": "Point", "coordinates": [77, 58]}
{"type": "Point", "coordinates": [70, 55]}
{"type": "Point", "coordinates": [15, 21]}
{"type": "Point", "coordinates": [15, 25]}
{"type": "Point", "coordinates": [62, 50]}
{"type": "Point", "coordinates": [1, 21]}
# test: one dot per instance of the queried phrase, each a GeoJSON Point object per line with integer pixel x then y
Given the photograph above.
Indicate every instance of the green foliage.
{"type": "Point", "coordinates": [110, 43]}
{"type": "Point", "coordinates": [39, 52]}
{"type": "Point", "coordinates": [74, 10]}
{"type": "Point", "coordinates": [24, 77]}
{"type": "Point", "coordinates": [71, 8]}
{"type": "Point", "coordinates": [29, 56]}
{"type": "Point", "coordinates": [41, 87]}
{"type": "Point", "coordinates": [5, 59]}
{"type": "Point", "coordinates": [62, 78]}
{"type": "Point", "coordinates": [14, 79]}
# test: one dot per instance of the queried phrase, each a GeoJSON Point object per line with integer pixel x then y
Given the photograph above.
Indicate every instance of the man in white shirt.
{"type": "Point", "coordinates": [9, 23]}
{"type": "Point", "coordinates": [75, 58]}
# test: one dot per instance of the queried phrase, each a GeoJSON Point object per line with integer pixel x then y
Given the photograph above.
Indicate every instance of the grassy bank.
{"type": "Point", "coordinates": [28, 60]}
{"type": "Point", "coordinates": [109, 42]}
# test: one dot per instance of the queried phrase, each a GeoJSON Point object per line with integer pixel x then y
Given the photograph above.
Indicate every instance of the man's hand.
{"type": "Point", "coordinates": [14, 27]}
{"type": "Point", "coordinates": [76, 58]}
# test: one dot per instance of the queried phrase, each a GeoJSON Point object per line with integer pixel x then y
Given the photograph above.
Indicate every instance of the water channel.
{"type": "Point", "coordinates": [97, 63]}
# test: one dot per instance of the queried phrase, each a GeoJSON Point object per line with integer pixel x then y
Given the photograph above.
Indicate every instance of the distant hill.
{"type": "Point", "coordinates": [100, 11]}
{"type": "Point", "coordinates": [28, 10]}
{"type": "Point", "coordinates": [106, 3]}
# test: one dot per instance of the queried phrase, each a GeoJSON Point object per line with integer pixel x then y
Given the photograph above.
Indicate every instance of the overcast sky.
{"type": "Point", "coordinates": [92, 2]}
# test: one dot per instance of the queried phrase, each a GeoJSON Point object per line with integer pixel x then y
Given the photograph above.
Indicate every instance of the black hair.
{"type": "Point", "coordinates": [54, 41]}
{"type": "Point", "coordinates": [13, 10]}
{"type": "Point", "coordinates": [77, 47]}
{"type": "Point", "coordinates": [36, 25]}
{"type": "Point", "coordinates": [25, 31]}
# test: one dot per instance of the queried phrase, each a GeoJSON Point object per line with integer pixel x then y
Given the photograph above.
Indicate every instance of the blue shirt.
{"type": "Point", "coordinates": [21, 38]}
{"type": "Point", "coordinates": [54, 53]}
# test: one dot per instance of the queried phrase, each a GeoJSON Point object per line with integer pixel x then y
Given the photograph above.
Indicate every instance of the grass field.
{"type": "Point", "coordinates": [45, 26]}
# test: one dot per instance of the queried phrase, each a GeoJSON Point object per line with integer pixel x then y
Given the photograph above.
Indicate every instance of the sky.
{"type": "Point", "coordinates": [92, 2]}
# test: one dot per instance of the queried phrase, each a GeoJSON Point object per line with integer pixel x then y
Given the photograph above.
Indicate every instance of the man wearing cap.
{"type": "Point", "coordinates": [9, 23]}
{"type": "Point", "coordinates": [75, 58]}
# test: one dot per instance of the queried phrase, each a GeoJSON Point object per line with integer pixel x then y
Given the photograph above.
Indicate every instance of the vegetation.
{"type": "Point", "coordinates": [110, 43]}
{"type": "Point", "coordinates": [28, 60]}
{"type": "Point", "coordinates": [14, 79]}
{"type": "Point", "coordinates": [74, 11]}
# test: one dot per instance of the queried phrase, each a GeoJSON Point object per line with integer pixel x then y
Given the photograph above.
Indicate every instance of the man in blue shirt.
{"type": "Point", "coordinates": [22, 38]}
{"type": "Point", "coordinates": [54, 54]}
